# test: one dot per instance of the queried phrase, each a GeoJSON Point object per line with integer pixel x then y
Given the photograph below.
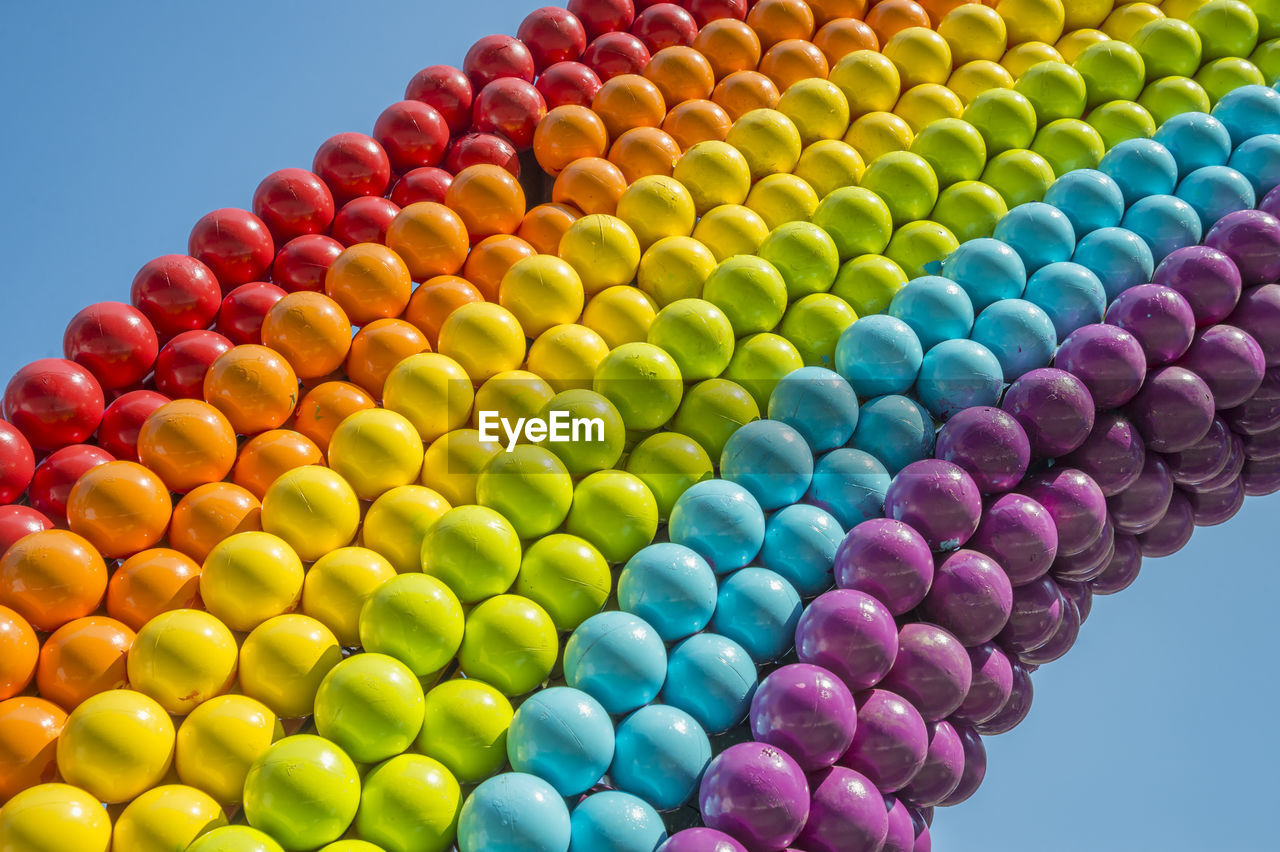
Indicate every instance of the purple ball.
{"type": "Point", "coordinates": [1081, 594]}
{"type": "Point", "coordinates": [1062, 640]}
{"type": "Point", "coordinates": [1259, 414]}
{"type": "Point", "coordinates": [888, 560]}
{"type": "Point", "coordinates": [1271, 202]}
{"type": "Point", "coordinates": [1203, 460]}
{"type": "Point", "coordinates": [1121, 571]}
{"type": "Point", "coordinates": [932, 670]}
{"type": "Point", "coordinates": [1173, 411]}
{"type": "Point", "coordinates": [1159, 317]}
{"type": "Point", "coordinates": [1262, 447]}
{"type": "Point", "coordinates": [1090, 562]}
{"type": "Point", "coordinates": [755, 793]}
{"type": "Point", "coordinates": [701, 840]}
{"type": "Point", "coordinates": [1230, 470]}
{"type": "Point", "coordinates": [920, 825]}
{"type": "Point", "coordinates": [1074, 501]}
{"type": "Point", "coordinates": [1016, 708]}
{"type": "Point", "coordinates": [807, 712]}
{"type": "Point", "coordinates": [991, 685]}
{"type": "Point", "coordinates": [849, 633]}
{"type": "Point", "coordinates": [1054, 407]}
{"type": "Point", "coordinates": [1019, 534]}
{"type": "Point", "coordinates": [938, 499]}
{"type": "Point", "coordinates": [1229, 360]}
{"type": "Point", "coordinates": [1112, 454]}
{"type": "Point", "coordinates": [1206, 278]}
{"type": "Point", "coordinates": [989, 445]}
{"type": "Point", "coordinates": [943, 766]}
{"type": "Point", "coordinates": [1261, 477]}
{"type": "Point", "coordinates": [1037, 612]}
{"type": "Point", "coordinates": [1259, 314]}
{"type": "Point", "coordinates": [901, 834]}
{"type": "Point", "coordinates": [971, 597]}
{"type": "Point", "coordinates": [847, 814]}
{"type": "Point", "coordinates": [1140, 506]}
{"type": "Point", "coordinates": [1211, 508]}
{"type": "Point", "coordinates": [1251, 238]}
{"type": "Point", "coordinates": [1173, 531]}
{"type": "Point", "coordinates": [890, 743]}
{"type": "Point", "coordinates": [975, 766]}
{"type": "Point", "coordinates": [1109, 360]}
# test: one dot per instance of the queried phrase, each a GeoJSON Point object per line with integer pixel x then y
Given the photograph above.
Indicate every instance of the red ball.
{"type": "Point", "coordinates": [496, 56]}
{"type": "Point", "coordinates": [234, 244]}
{"type": "Point", "coordinates": [118, 431]}
{"type": "Point", "coordinates": [54, 477]}
{"type": "Point", "coordinates": [17, 463]}
{"type": "Point", "coordinates": [425, 184]}
{"type": "Point", "coordinates": [603, 16]}
{"type": "Point", "coordinates": [176, 293]}
{"type": "Point", "coordinates": [363, 220]}
{"type": "Point", "coordinates": [568, 83]}
{"type": "Point", "coordinates": [114, 341]}
{"type": "Point", "coordinates": [293, 202]}
{"type": "Point", "coordinates": [706, 11]}
{"type": "Point", "coordinates": [473, 149]}
{"type": "Point", "coordinates": [240, 320]}
{"type": "Point", "coordinates": [664, 25]}
{"type": "Point", "coordinates": [413, 134]}
{"type": "Point", "coordinates": [19, 521]}
{"type": "Point", "coordinates": [613, 54]}
{"type": "Point", "coordinates": [552, 35]}
{"type": "Point", "coordinates": [353, 165]}
{"type": "Point", "coordinates": [447, 90]}
{"type": "Point", "coordinates": [510, 107]}
{"type": "Point", "coordinates": [302, 262]}
{"type": "Point", "coordinates": [54, 402]}
{"type": "Point", "coordinates": [184, 360]}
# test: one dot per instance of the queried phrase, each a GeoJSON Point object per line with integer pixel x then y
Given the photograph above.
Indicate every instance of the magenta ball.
{"type": "Point", "coordinates": [1019, 534]}
{"type": "Point", "coordinates": [1229, 361]}
{"type": "Point", "coordinates": [1230, 470]}
{"type": "Point", "coordinates": [901, 834]}
{"type": "Point", "coordinates": [1037, 611]}
{"type": "Point", "coordinates": [1263, 447]}
{"type": "Point", "coordinates": [1205, 277]}
{"type": "Point", "coordinates": [1113, 453]}
{"type": "Point", "coordinates": [991, 685]}
{"type": "Point", "coordinates": [938, 499]}
{"type": "Point", "coordinates": [989, 444]}
{"type": "Point", "coordinates": [1258, 313]}
{"type": "Point", "coordinates": [1054, 407]}
{"type": "Point", "coordinates": [1122, 570]}
{"type": "Point", "coordinates": [1172, 532]}
{"type": "Point", "coordinates": [847, 814]}
{"type": "Point", "coordinates": [971, 597]}
{"type": "Point", "coordinates": [1081, 594]}
{"type": "Point", "coordinates": [849, 633]}
{"type": "Point", "coordinates": [920, 842]}
{"type": "Point", "coordinates": [755, 793]}
{"type": "Point", "coordinates": [1260, 413]}
{"type": "Point", "coordinates": [932, 670]}
{"type": "Point", "coordinates": [1137, 508]}
{"type": "Point", "coordinates": [1203, 460]}
{"type": "Point", "coordinates": [1074, 501]}
{"type": "Point", "coordinates": [943, 766]}
{"type": "Point", "coordinates": [1261, 477]}
{"type": "Point", "coordinates": [1173, 411]}
{"type": "Point", "coordinates": [1088, 563]}
{"type": "Point", "coordinates": [888, 560]}
{"type": "Point", "coordinates": [975, 766]}
{"type": "Point", "coordinates": [1013, 711]}
{"type": "Point", "coordinates": [1211, 508]}
{"type": "Point", "coordinates": [701, 839]}
{"type": "Point", "coordinates": [1251, 238]}
{"type": "Point", "coordinates": [1159, 317]}
{"type": "Point", "coordinates": [1109, 360]}
{"type": "Point", "coordinates": [1062, 640]}
{"type": "Point", "coordinates": [807, 712]}
{"type": "Point", "coordinates": [891, 741]}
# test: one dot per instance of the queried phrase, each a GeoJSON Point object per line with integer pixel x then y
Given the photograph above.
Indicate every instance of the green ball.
{"type": "Point", "coordinates": [1267, 60]}
{"type": "Point", "coordinates": [751, 292]}
{"type": "Point", "coordinates": [697, 335]}
{"type": "Point", "coordinates": [1170, 96]}
{"type": "Point", "coordinates": [759, 363]}
{"type": "Point", "coordinates": [510, 642]}
{"type": "Point", "coordinates": [868, 283]}
{"type": "Point", "coordinates": [712, 411]}
{"type": "Point", "coordinates": [1112, 71]}
{"type": "Point", "coordinates": [1005, 118]}
{"type": "Point", "coordinates": [805, 255]}
{"type": "Point", "coordinates": [1268, 12]}
{"type": "Point", "coordinates": [410, 804]}
{"type": "Point", "coordinates": [474, 550]}
{"type": "Point", "coordinates": [1228, 74]}
{"type": "Point", "coordinates": [370, 706]}
{"type": "Point", "coordinates": [857, 219]}
{"type": "Point", "coordinates": [669, 463]}
{"type": "Point", "coordinates": [464, 726]}
{"type": "Point", "coordinates": [351, 846]}
{"type": "Point", "coordinates": [643, 383]}
{"type": "Point", "coordinates": [303, 791]}
{"type": "Point", "coordinates": [616, 512]}
{"type": "Point", "coordinates": [814, 324]}
{"type": "Point", "coordinates": [415, 618]}
{"type": "Point", "coordinates": [566, 576]}
{"type": "Point", "coordinates": [1169, 48]}
{"type": "Point", "coordinates": [1019, 176]}
{"type": "Point", "coordinates": [953, 148]}
{"type": "Point", "coordinates": [1226, 28]}
{"type": "Point", "coordinates": [1055, 89]}
{"type": "Point", "coordinates": [528, 486]}
{"type": "Point", "coordinates": [1117, 121]}
{"type": "Point", "coordinates": [1069, 144]}
{"type": "Point", "coordinates": [593, 448]}
{"type": "Point", "coordinates": [234, 838]}
{"type": "Point", "coordinates": [969, 210]}
{"type": "Point", "coordinates": [905, 182]}
{"type": "Point", "coordinates": [919, 248]}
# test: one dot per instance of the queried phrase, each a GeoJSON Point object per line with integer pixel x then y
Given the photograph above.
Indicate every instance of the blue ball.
{"type": "Point", "coordinates": [610, 821]}
{"type": "Point", "coordinates": [936, 308]}
{"type": "Point", "coordinates": [564, 737]}
{"type": "Point", "coordinates": [1070, 294]}
{"type": "Point", "coordinates": [712, 678]}
{"type": "Point", "coordinates": [618, 659]}
{"type": "Point", "coordinates": [721, 521]}
{"type": "Point", "coordinates": [879, 354]}
{"type": "Point", "coordinates": [771, 460]}
{"type": "Point", "coordinates": [1215, 191]}
{"type": "Point", "coordinates": [800, 543]}
{"type": "Point", "coordinates": [897, 430]}
{"type": "Point", "coordinates": [1140, 167]}
{"type": "Point", "coordinates": [1166, 223]}
{"type": "Point", "coordinates": [819, 404]}
{"type": "Point", "coordinates": [759, 610]}
{"type": "Point", "coordinates": [958, 374]}
{"type": "Point", "coordinates": [671, 587]}
{"type": "Point", "coordinates": [849, 484]}
{"type": "Point", "coordinates": [659, 755]}
{"type": "Point", "coordinates": [1089, 198]}
{"type": "Point", "coordinates": [1020, 335]}
{"type": "Point", "coordinates": [1195, 139]}
{"type": "Point", "coordinates": [514, 812]}
{"type": "Point", "coordinates": [988, 270]}
{"type": "Point", "coordinates": [1249, 111]}
{"type": "Point", "coordinates": [1258, 159]}
{"type": "Point", "coordinates": [1040, 233]}
{"type": "Point", "coordinates": [1120, 258]}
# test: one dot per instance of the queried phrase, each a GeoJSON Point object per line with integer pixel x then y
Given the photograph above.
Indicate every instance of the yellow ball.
{"type": "Point", "coordinates": [432, 390]}
{"type": "Point", "coordinates": [313, 509]}
{"type": "Point", "coordinates": [283, 661]}
{"type": "Point", "coordinates": [715, 173]}
{"type": "Point", "coordinates": [1123, 24]}
{"type": "Point", "coordinates": [620, 315]}
{"type": "Point", "coordinates": [115, 745]}
{"type": "Point", "coordinates": [817, 108]}
{"type": "Point", "coordinates": [1018, 59]}
{"type": "Point", "coordinates": [218, 742]}
{"type": "Point", "coordinates": [878, 133]}
{"type": "Point", "coordinates": [167, 818]}
{"type": "Point", "coordinates": [54, 818]}
{"type": "Point", "coordinates": [731, 229]}
{"type": "Point", "coordinates": [541, 291]}
{"type": "Point", "coordinates": [671, 269]}
{"type": "Point", "coordinates": [182, 658]}
{"type": "Point", "coordinates": [926, 103]}
{"type": "Point", "coordinates": [1032, 20]}
{"type": "Point", "coordinates": [656, 206]}
{"type": "Point", "coordinates": [1088, 14]}
{"type": "Point", "coordinates": [513, 394]}
{"type": "Point", "coordinates": [453, 461]}
{"type": "Point", "coordinates": [869, 81]}
{"type": "Point", "coordinates": [920, 55]}
{"type": "Point", "coordinates": [759, 363]}
{"type": "Point", "coordinates": [768, 139]}
{"type": "Point", "coordinates": [566, 356]}
{"type": "Point", "coordinates": [827, 166]}
{"type": "Point", "coordinates": [603, 250]}
{"type": "Point", "coordinates": [250, 577]}
{"type": "Point", "coordinates": [779, 199]}
{"type": "Point", "coordinates": [981, 75]}
{"type": "Point", "coordinates": [1182, 9]}
{"type": "Point", "coordinates": [397, 521]}
{"type": "Point", "coordinates": [974, 31]}
{"type": "Point", "coordinates": [337, 586]}
{"type": "Point", "coordinates": [484, 339]}
{"type": "Point", "coordinates": [375, 450]}
{"type": "Point", "coordinates": [1074, 43]}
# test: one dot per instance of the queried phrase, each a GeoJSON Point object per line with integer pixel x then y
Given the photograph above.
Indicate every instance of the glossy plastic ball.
{"type": "Point", "coordinates": [303, 790]}
{"type": "Point", "coordinates": [116, 745]}
{"type": "Point", "coordinates": [670, 587]}
{"type": "Point", "coordinates": [53, 402]}
{"type": "Point", "coordinates": [958, 374]}
{"type": "Point", "coordinates": [514, 812]}
{"type": "Point", "coordinates": [465, 728]}
{"type": "Point", "coordinates": [52, 576]}
{"type": "Point", "coordinates": [897, 430]}
{"type": "Point", "coordinates": [755, 793]}
{"type": "Point", "coordinates": [712, 678]}
{"type": "Point", "coordinates": [564, 736]}
{"type": "Point", "coordinates": [618, 659]}
{"type": "Point", "coordinates": [27, 820]}
{"type": "Point", "coordinates": [880, 355]}
{"type": "Point", "coordinates": [284, 660]}
{"type": "Point", "coordinates": [932, 670]}
{"type": "Point", "coordinates": [720, 520]}
{"type": "Point", "coordinates": [510, 642]}
{"type": "Point", "coordinates": [218, 742]}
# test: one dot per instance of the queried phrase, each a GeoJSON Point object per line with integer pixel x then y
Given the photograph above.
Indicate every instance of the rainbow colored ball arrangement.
{"type": "Point", "coordinates": [895, 331]}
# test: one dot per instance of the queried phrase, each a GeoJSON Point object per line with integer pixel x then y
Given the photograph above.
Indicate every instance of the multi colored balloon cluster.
{"type": "Point", "coordinates": [894, 331]}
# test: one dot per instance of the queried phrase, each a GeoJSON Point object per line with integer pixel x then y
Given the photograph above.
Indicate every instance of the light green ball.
{"type": "Point", "coordinates": [712, 411]}
{"type": "Point", "coordinates": [529, 486]}
{"type": "Point", "coordinates": [1267, 60]}
{"type": "Point", "coordinates": [1268, 12]}
{"type": "Point", "coordinates": [566, 576]}
{"type": "Point", "coordinates": [1169, 48]}
{"type": "Point", "coordinates": [814, 324]}
{"type": "Point", "coordinates": [616, 512]}
{"type": "Point", "coordinates": [1005, 118]}
{"type": "Point", "coordinates": [1069, 144]}
{"type": "Point", "coordinates": [759, 363]}
{"type": "Point", "coordinates": [868, 283]}
{"type": "Point", "coordinates": [919, 248]}
{"type": "Point", "coordinates": [697, 335]}
{"type": "Point", "coordinates": [669, 463]}
{"type": "Point", "coordinates": [1019, 176]}
{"type": "Point", "coordinates": [370, 706]}
{"type": "Point", "coordinates": [350, 846]}
{"type": "Point", "coordinates": [857, 220]}
{"type": "Point", "coordinates": [674, 268]}
{"type": "Point", "coordinates": [805, 255]}
{"type": "Point", "coordinates": [1226, 28]}
{"type": "Point", "coordinates": [474, 550]}
{"type": "Point", "coordinates": [235, 838]}
{"type": "Point", "coordinates": [510, 642]}
{"type": "Point", "coordinates": [969, 209]}
{"type": "Point", "coordinates": [1170, 96]}
{"type": "Point", "coordinates": [1117, 121]}
{"type": "Point", "coordinates": [750, 291]}
{"type": "Point", "coordinates": [905, 182]}
{"type": "Point", "coordinates": [1055, 89]}
{"type": "Point", "coordinates": [592, 448]}
{"type": "Point", "coordinates": [953, 148]}
{"type": "Point", "coordinates": [410, 802]}
{"type": "Point", "coordinates": [1112, 71]}
{"type": "Point", "coordinates": [415, 618]}
{"type": "Point", "coordinates": [643, 383]}
{"type": "Point", "coordinates": [303, 791]}
{"type": "Point", "coordinates": [1228, 74]}
{"type": "Point", "coordinates": [465, 728]}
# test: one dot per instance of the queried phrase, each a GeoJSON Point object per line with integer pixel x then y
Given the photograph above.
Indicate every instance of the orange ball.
{"type": "Point", "coordinates": [82, 658]}
{"type": "Point", "coordinates": [826, 11]}
{"type": "Point", "coordinates": [743, 91]}
{"type": "Point", "coordinates": [779, 20]}
{"type": "Point", "coordinates": [491, 258]}
{"type": "Point", "coordinates": [381, 345]}
{"type": "Point", "coordinates": [19, 650]}
{"type": "Point", "coordinates": [697, 121]}
{"type": "Point", "coordinates": [264, 458]}
{"type": "Point", "coordinates": [681, 74]}
{"type": "Point", "coordinates": [369, 281]}
{"type": "Point", "coordinates": [121, 507]}
{"type": "Point", "coordinates": [253, 386]}
{"type": "Point", "coordinates": [311, 331]}
{"type": "Point", "coordinates": [430, 238]}
{"type": "Point", "coordinates": [889, 16]}
{"type": "Point", "coordinates": [628, 101]}
{"type": "Point", "coordinates": [729, 45]}
{"type": "Point", "coordinates": [435, 299]}
{"type": "Point", "coordinates": [51, 577]}
{"type": "Point", "coordinates": [567, 133]}
{"type": "Point", "coordinates": [644, 151]}
{"type": "Point", "coordinates": [842, 36]}
{"type": "Point", "coordinates": [155, 581]}
{"type": "Point", "coordinates": [326, 405]}
{"type": "Point", "coordinates": [187, 443]}
{"type": "Point", "coordinates": [201, 519]}
{"type": "Point", "coordinates": [29, 729]}
{"type": "Point", "coordinates": [544, 225]}
{"type": "Point", "coordinates": [793, 60]}
{"type": "Point", "coordinates": [488, 199]}
{"type": "Point", "coordinates": [591, 184]}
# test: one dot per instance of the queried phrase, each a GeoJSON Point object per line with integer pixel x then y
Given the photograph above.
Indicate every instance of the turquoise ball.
{"type": "Point", "coordinates": [758, 609]}
{"type": "Point", "coordinates": [850, 485]}
{"type": "Point", "coordinates": [879, 354]}
{"type": "Point", "coordinates": [712, 678]}
{"type": "Point", "coordinates": [1089, 198]}
{"type": "Point", "coordinates": [988, 270]}
{"type": "Point", "coordinates": [618, 659]}
{"type": "Point", "coordinates": [958, 374]}
{"type": "Point", "coordinates": [897, 430]}
{"type": "Point", "coordinates": [1140, 167]}
{"type": "Point", "coordinates": [720, 520]}
{"type": "Point", "coordinates": [1040, 233]}
{"type": "Point", "coordinates": [1070, 294]}
{"type": "Point", "coordinates": [1195, 140]}
{"type": "Point", "coordinates": [669, 586]}
{"type": "Point", "coordinates": [771, 460]}
{"type": "Point", "coordinates": [610, 821]}
{"type": "Point", "coordinates": [514, 812]}
{"type": "Point", "coordinates": [936, 308]}
{"type": "Point", "coordinates": [563, 736]}
{"type": "Point", "coordinates": [1019, 334]}
{"type": "Point", "coordinates": [1120, 258]}
{"type": "Point", "coordinates": [1166, 223]}
{"type": "Point", "coordinates": [659, 755]}
{"type": "Point", "coordinates": [819, 404]}
{"type": "Point", "coordinates": [800, 544]}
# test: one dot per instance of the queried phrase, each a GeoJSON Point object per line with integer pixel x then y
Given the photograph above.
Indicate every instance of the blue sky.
{"type": "Point", "coordinates": [126, 124]}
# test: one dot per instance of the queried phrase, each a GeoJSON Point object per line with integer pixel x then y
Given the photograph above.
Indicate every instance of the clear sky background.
{"type": "Point", "coordinates": [125, 122]}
